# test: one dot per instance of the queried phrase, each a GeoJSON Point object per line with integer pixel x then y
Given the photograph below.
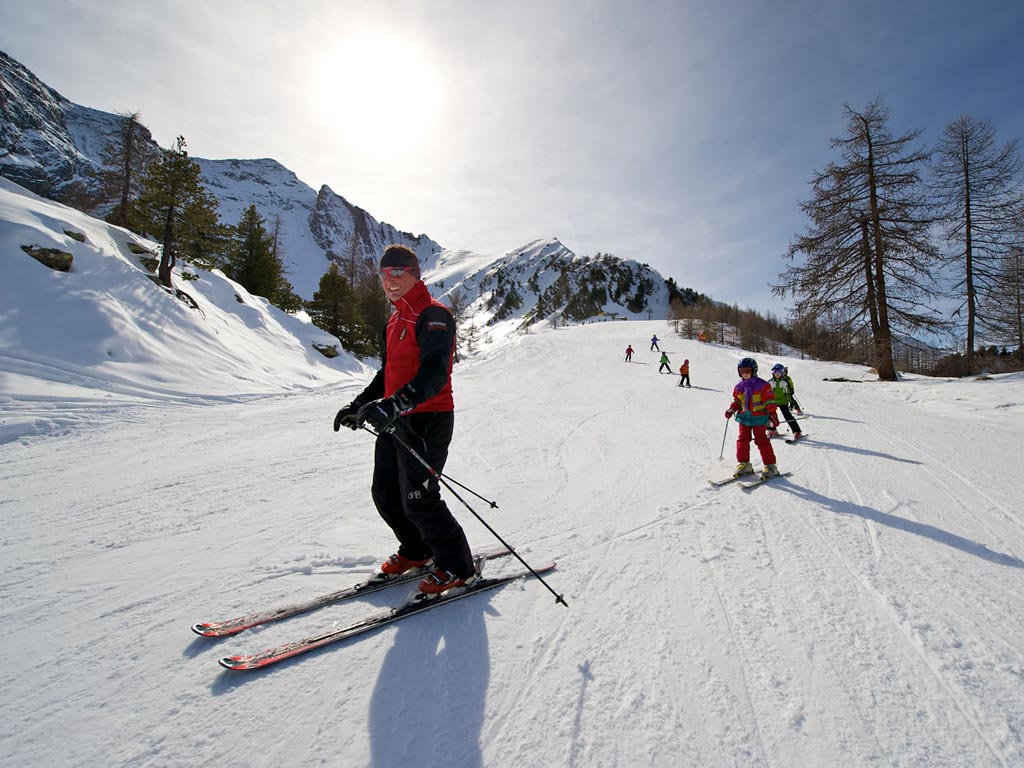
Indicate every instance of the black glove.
{"type": "Point", "coordinates": [347, 416]}
{"type": "Point", "coordinates": [382, 414]}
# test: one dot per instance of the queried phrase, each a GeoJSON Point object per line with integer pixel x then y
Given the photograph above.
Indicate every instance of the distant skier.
{"type": "Point", "coordinates": [654, 343]}
{"type": "Point", "coordinates": [664, 364]}
{"type": "Point", "coordinates": [629, 353]}
{"type": "Point", "coordinates": [782, 385]}
{"type": "Point", "coordinates": [684, 374]}
{"type": "Point", "coordinates": [753, 404]}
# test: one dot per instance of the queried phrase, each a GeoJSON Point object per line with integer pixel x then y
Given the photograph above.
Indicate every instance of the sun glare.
{"type": "Point", "coordinates": [378, 94]}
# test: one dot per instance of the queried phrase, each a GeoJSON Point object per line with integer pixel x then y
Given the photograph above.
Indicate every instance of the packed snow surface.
{"type": "Point", "coordinates": [864, 611]}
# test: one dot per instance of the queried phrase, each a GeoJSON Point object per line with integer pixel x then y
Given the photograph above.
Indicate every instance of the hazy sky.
{"type": "Point", "coordinates": [678, 133]}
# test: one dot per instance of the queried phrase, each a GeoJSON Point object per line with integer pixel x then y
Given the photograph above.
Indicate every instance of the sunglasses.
{"type": "Point", "coordinates": [394, 272]}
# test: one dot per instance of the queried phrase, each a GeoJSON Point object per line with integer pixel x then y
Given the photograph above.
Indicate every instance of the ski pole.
{"type": "Point", "coordinates": [721, 453]}
{"type": "Point", "coordinates": [442, 480]}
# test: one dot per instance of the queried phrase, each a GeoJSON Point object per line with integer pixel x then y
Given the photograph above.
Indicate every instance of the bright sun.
{"type": "Point", "coordinates": [379, 94]}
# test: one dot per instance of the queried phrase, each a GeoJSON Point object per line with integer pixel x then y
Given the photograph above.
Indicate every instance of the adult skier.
{"type": "Point", "coordinates": [411, 398]}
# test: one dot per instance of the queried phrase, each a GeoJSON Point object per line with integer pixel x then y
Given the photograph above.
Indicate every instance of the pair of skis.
{"type": "Point", "coordinates": [748, 485]}
{"type": "Point", "coordinates": [419, 604]}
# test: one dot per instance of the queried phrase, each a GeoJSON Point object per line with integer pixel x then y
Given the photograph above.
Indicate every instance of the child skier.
{"type": "Point", "coordinates": [664, 364]}
{"type": "Point", "coordinates": [753, 404]}
{"type": "Point", "coordinates": [654, 343]}
{"type": "Point", "coordinates": [684, 374]}
{"type": "Point", "coordinates": [792, 393]}
{"type": "Point", "coordinates": [629, 353]}
{"type": "Point", "coordinates": [782, 386]}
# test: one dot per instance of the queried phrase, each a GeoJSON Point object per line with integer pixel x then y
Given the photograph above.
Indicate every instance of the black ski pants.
{"type": "Point", "coordinates": [408, 496]}
{"type": "Point", "coordinates": [788, 418]}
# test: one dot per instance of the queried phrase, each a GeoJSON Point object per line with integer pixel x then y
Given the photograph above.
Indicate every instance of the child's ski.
{"type": "Point", "coordinates": [733, 479]}
{"type": "Point", "coordinates": [762, 480]}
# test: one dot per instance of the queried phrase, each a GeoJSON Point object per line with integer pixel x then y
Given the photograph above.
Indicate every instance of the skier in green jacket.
{"type": "Point", "coordinates": [783, 388]}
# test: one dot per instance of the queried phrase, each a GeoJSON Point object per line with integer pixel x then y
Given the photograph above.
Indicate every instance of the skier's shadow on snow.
{"type": "Point", "coordinates": [432, 689]}
{"type": "Point", "coordinates": [910, 526]}
{"type": "Point", "coordinates": [819, 444]}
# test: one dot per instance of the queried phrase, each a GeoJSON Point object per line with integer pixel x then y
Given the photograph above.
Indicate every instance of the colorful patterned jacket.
{"type": "Point", "coordinates": [754, 402]}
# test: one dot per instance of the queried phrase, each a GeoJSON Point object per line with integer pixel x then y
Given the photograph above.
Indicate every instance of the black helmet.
{"type": "Point", "coordinates": [747, 362]}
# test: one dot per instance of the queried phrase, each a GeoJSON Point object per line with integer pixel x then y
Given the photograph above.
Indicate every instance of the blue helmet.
{"type": "Point", "coordinates": [747, 362]}
{"type": "Point", "coordinates": [779, 368]}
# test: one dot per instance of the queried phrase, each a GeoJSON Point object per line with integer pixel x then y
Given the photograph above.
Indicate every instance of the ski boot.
{"type": "Point", "coordinates": [441, 581]}
{"type": "Point", "coordinates": [398, 564]}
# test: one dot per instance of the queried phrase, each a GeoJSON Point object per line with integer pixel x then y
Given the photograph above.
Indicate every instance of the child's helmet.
{"type": "Point", "coordinates": [747, 362]}
{"type": "Point", "coordinates": [779, 368]}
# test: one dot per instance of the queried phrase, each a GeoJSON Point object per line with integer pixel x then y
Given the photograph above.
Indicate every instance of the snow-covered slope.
{"type": "Point", "coordinates": [865, 611]}
{"type": "Point", "coordinates": [107, 330]}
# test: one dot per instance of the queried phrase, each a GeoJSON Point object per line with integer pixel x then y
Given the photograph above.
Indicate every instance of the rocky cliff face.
{"type": "Point", "coordinates": [48, 145]}
{"type": "Point", "coordinates": [545, 281]}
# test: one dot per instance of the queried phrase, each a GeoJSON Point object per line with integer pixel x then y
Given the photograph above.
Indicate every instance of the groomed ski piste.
{"type": "Point", "coordinates": [864, 611]}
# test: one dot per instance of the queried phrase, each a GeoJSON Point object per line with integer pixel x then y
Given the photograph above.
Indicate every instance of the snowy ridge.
{"type": "Point", "coordinates": [315, 226]}
{"type": "Point", "coordinates": [546, 284]}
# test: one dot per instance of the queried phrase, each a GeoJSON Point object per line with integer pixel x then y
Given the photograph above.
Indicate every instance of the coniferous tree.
{"type": "Point", "coordinates": [868, 248]}
{"type": "Point", "coordinates": [253, 262]}
{"type": "Point", "coordinates": [175, 209]}
{"type": "Point", "coordinates": [372, 312]}
{"type": "Point", "coordinates": [1004, 306]}
{"type": "Point", "coordinates": [126, 157]}
{"type": "Point", "coordinates": [977, 186]}
{"type": "Point", "coordinates": [284, 294]}
{"type": "Point", "coordinates": [332, 307]}
{"type": "Point", "coordinates": [203, 239]}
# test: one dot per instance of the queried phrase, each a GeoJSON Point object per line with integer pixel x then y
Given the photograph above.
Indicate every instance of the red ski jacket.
{"type": "Point", "coordinates": [419, 350]}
